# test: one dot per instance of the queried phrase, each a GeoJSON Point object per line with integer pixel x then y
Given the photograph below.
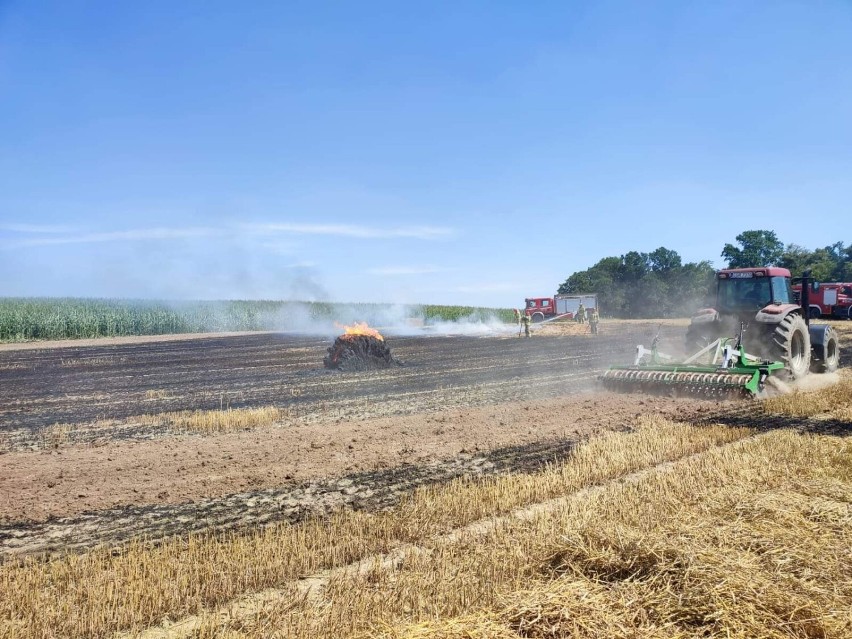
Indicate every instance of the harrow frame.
{"type": "Point", "coordinates": [728, 370]}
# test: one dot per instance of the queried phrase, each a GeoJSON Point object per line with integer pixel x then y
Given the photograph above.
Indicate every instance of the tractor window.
{"type": "Point", "coordinates": [744, 294]}
{"type": "Point", "coordinates": [782, 292]}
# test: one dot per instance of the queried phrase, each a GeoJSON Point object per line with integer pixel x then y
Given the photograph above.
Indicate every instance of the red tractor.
{"type": "Point", "coordinates": [776, 328]}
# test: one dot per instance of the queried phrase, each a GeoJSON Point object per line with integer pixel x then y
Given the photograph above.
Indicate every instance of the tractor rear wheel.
{"type": "Point", "coordinates": [829, 357]}
{"type": "Point", "coordinates": [791, 344]}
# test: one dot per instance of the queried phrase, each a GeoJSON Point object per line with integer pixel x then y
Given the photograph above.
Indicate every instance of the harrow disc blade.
{"type": "Point", "coordinates": [718, 384]}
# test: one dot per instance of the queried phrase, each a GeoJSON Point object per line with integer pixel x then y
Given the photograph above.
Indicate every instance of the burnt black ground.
{"type": "Point", "coordinates": [40, 388]}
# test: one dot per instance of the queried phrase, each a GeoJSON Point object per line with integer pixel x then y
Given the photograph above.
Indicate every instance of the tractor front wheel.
{"type": "Point", "coordinates": [792, 345]}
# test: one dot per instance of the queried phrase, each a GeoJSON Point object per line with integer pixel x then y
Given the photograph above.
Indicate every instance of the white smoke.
{"type": "Point", "coordinates": [470, 326]}
{"type": "Point", "coordinates": [392, 319]}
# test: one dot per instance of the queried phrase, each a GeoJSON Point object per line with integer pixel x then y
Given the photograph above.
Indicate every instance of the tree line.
{"type": "Point", "coordinates": [659, 284]}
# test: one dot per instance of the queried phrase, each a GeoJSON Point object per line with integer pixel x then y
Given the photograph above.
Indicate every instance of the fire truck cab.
{"type": "Point", "coordinates": [830, 299]}
{"type": "Point", "coordinates": [540, 308]}
{"type": "Point", "coordinates": [559, 306]}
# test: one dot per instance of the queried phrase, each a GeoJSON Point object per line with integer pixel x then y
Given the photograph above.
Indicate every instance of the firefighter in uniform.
{"type": "Point", "coordinates": [525, 320]}
{"type": "Point", "coordinates": [581, 314]}
{"type": "Point", "coordinates": [593, 320]}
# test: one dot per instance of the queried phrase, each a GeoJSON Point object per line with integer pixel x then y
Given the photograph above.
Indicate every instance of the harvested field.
{"type": "Point", "coordinates": [492, 498]}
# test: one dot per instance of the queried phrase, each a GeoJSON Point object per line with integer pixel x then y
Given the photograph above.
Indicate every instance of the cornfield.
{"type": "Point", "coordinates": [24, 319]}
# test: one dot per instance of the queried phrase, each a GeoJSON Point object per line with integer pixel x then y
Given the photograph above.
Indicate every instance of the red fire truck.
{"type": "Point", "coordinates": [545, 308]}
{"type": "Point", "coordinates": [830, 299]}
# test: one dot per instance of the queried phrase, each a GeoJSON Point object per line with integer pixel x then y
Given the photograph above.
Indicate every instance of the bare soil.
{"type": "Point", "coordinates": [67, 481]}
{"type": "Point", "coordinates": [79, 496]}
{"type": "Point", "coordinates": [459, 406]}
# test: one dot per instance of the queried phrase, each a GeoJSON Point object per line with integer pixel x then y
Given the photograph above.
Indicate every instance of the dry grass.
{"type": "Point", "coordinates": [570, 327]}
{"type": "Point", "coordinates": [671, 321]}
{"type": "Point", "coordinates": [751, 540]}
{"type": "Point", "coordinates": [75, 362]}
{"type": "Point", "coordinates": [101, 592]}
{"type": "Point", "coordinates": [157, 393]}
{"type": "Point", "coordinates": [216, 421]}
{"type": "Point", "coordinates": [844, 330]}
{"type": "Point", "coordinates": [56, 435]}
{"type": "Point", "coordinates": [830, 402]}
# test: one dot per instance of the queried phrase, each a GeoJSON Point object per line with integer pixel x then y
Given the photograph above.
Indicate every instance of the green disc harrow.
{"type": "Point", "coordinates": [722, 369]}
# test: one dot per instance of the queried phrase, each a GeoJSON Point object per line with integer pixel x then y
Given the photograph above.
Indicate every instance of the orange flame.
{"type": "Point", "coordinates": [361, 328]}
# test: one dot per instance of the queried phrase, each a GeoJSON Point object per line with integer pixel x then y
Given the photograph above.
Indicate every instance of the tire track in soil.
{"type": "Point", "coordinates": [370, 490]}
{"type": "Point", "coordinates": [367, 490]}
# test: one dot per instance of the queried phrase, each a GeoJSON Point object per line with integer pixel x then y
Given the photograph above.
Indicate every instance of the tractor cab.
{"type": "Point", "coordinates": [746, 291]}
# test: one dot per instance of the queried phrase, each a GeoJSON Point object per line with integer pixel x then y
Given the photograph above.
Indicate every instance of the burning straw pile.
{"type": "Point", "coordinates": [360, 348]}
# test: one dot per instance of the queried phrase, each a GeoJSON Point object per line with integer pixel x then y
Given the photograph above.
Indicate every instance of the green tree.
{"type": "Point", "coordinates": [664, 260]}
{"type": "Point", "coordinates": [697, 282]}
{"type": "Point", "coordinates": [650, 298]}
{"type": "Point", "coordinates": [823, 265]}
{"type": "Point", "coordinates": [844, 270]}
{"type": "Point", "coordinates": [756, 248]}
{"type": "Point", "coordinates": [659, 284]}
{"type": "Point", "coordinates": [842, 256]}
{"type": "Point", "coordinates": [795, 258]}
{"type": "Point", "coordinates": [634, 266]}
{"type": "Point", "coordinates": [655, 284]}
{"type": "Point", "coordinates": [827, 264]}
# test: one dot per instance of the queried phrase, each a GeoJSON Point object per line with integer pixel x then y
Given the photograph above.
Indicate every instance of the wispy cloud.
{"type": "Point", "coordinates": [406, 270]}
{"type": "Point", "coordinates": [159, 233]}
{"type": "Point", "coordinates": [35, 228]}
{"type": "Point", "coordinates": [356, 230]}
{"type": "Point", "coordinates": [280, 247]}
{"type": "Point", "coordinates": [24, 235]}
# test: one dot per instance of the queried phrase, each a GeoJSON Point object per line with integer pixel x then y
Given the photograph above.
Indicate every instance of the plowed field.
{"type": "Point", "coordinates": [70, 385]}
{"type": "Point", "coordinates": [89, 455]}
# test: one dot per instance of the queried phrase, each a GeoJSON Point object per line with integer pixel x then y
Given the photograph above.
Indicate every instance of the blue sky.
{"type": "Point", "coordinates": [441, 152]}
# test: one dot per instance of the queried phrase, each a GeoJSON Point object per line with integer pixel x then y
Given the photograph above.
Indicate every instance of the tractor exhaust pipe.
{"type": "Point", "coordinates": [806, 296]}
